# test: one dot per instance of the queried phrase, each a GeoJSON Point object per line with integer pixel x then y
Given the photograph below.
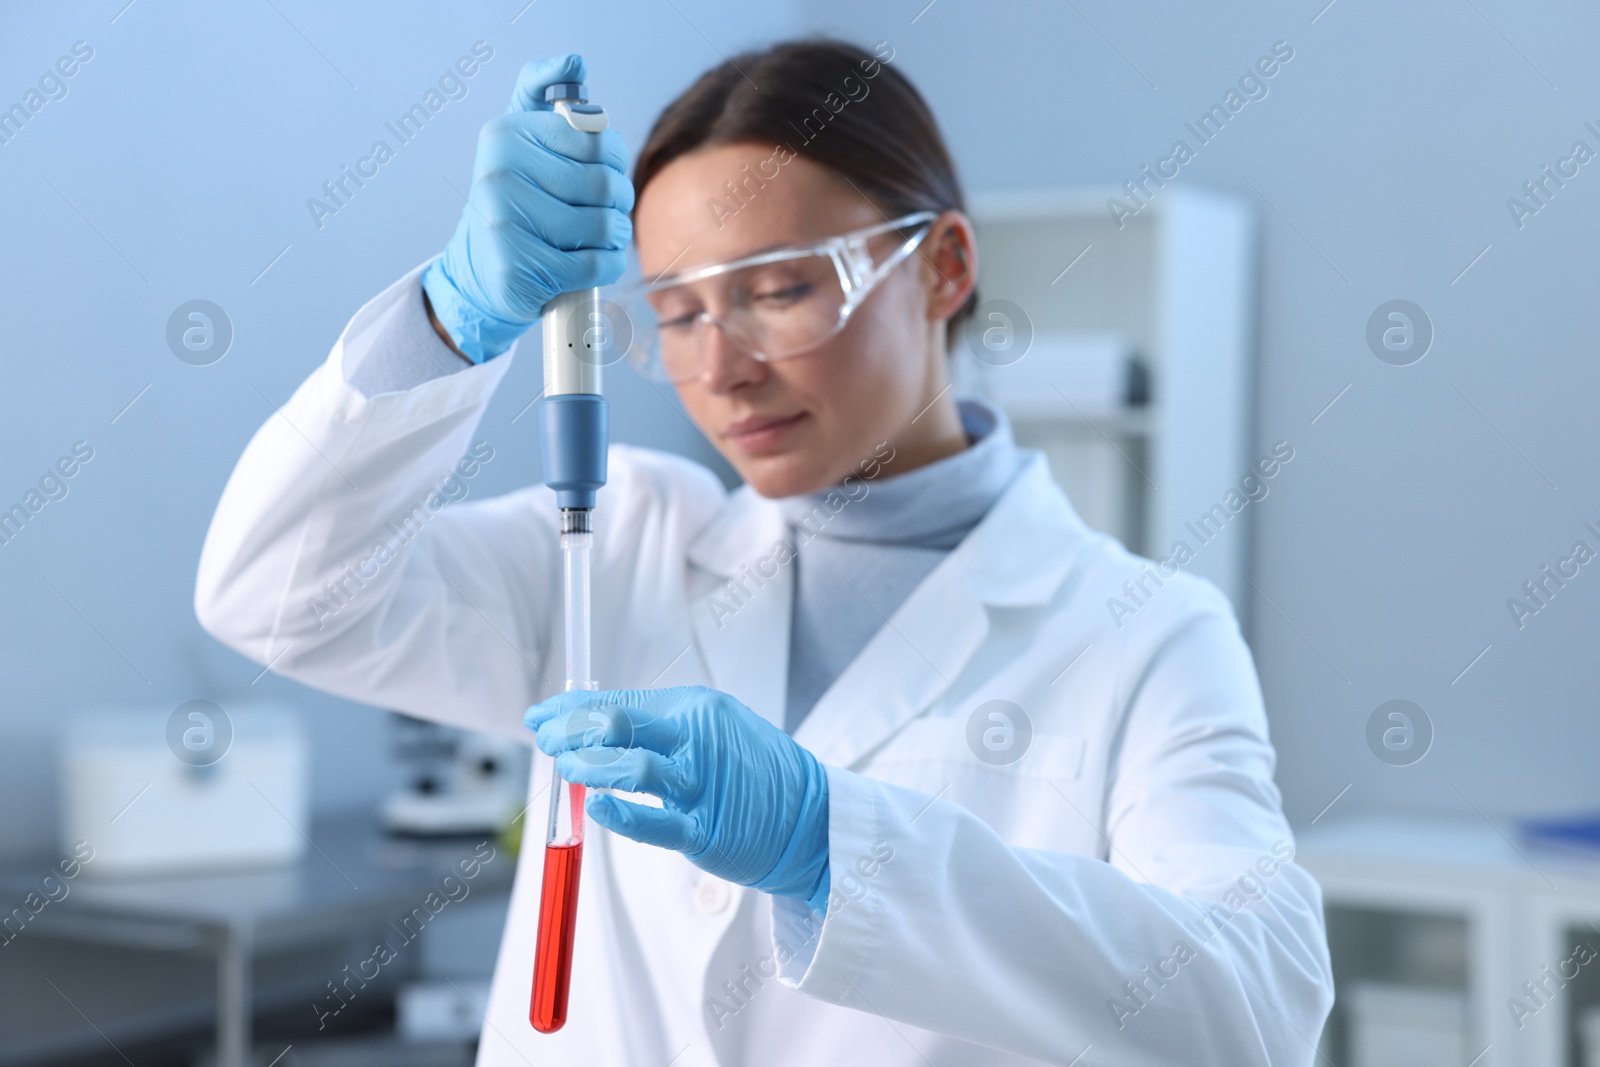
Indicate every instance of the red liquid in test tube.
{"type": "Point", "coordinates": [558, 916]}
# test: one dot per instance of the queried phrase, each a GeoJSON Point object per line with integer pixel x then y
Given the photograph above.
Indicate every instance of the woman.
{"type": "Point", "coordinates": [895, 790]}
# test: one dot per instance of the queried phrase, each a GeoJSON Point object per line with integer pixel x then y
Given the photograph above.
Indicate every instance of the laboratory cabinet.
{"type": "Point", "coordinates": [1123, 349]}
{"type": "Point", "coordinates": [1437, 923]}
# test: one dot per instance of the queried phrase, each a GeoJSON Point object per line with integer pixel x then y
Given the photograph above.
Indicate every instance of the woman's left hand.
{"type": "Point", "coordinates": [740, 798]}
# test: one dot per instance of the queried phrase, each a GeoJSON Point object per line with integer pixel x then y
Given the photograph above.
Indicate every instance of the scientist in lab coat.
{"type": "Point", "coordinates": [884, 781]}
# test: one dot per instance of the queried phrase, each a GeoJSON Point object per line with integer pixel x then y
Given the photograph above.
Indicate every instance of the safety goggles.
{"type": "Point", "coordinates": [772, 305]}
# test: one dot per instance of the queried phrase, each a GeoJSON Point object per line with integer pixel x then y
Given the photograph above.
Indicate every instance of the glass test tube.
{"type": "Point", "coordinates": [563, 852]}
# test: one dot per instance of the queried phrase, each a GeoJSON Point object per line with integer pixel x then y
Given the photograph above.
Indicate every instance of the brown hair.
{"type": "Point", "coordinates": [885, 141]}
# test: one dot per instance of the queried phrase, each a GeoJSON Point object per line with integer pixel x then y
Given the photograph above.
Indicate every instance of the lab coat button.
{"type": "Point", "coordinates": [711, 895]}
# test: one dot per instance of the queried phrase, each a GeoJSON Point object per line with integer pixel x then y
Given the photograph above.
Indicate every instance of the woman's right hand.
{"type": "Point", "coordinates": [547, 214]}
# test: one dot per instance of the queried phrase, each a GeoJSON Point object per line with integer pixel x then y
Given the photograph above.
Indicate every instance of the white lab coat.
{"type": "Point", "coordinates": [1040, 911]}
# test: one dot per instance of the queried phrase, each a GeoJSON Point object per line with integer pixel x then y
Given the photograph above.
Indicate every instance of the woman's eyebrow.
{"type": "Point", "coordinates": [798, 243]}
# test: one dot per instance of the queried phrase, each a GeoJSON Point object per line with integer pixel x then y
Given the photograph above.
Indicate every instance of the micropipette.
{"type": "Point", "coordinates": [573, 436]}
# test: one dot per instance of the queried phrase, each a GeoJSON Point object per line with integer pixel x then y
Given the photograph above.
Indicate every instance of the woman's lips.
{"type": "Point", "coordinates": [764, 432]}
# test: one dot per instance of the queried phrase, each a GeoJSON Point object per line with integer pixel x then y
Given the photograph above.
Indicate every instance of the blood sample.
{"type": "Point", "coordinates": [558, 917]}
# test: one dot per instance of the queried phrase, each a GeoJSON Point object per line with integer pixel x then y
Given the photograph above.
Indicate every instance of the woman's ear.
{"type": "Point", "coordinates": [950, 258]}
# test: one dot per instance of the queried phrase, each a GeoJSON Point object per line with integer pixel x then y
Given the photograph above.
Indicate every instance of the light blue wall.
{"type": "Point", "coordinates": [1422, 500]}
{"type": "Point", "coordinates": [1415, 506]}
{"type": "Point", "coordinates": [177, 167]}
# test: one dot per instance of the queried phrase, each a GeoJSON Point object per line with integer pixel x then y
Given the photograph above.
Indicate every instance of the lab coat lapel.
{"type": "Point", "coordinates": [1017, 556]}
{"type": "Point", "coordinates": [905, 667]}
{"type": "Point", "coordinates": [741, 622]}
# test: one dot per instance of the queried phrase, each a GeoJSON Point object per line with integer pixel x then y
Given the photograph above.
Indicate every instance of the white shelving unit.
{"type": "Point", "coordinates": [1521, 910]}
{"type": "Point", "coordinates": [1178, 282]}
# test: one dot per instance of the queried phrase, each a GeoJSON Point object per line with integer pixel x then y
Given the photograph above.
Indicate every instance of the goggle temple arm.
{"type": "Point", "coordinates": [862, 273]}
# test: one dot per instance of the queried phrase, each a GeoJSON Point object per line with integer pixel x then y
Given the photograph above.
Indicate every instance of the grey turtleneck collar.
{"type": "Point", "coordinates": [933, 506]}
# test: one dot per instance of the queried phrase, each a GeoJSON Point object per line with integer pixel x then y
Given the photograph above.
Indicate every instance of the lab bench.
{"type": "Point", "coordinates": [353, 878]}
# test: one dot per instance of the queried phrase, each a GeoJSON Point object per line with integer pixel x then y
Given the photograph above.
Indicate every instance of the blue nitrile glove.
{"type": "Point", "coordinates": [547, 214]}
{"type": "Point", "coordinates": [741, 799]}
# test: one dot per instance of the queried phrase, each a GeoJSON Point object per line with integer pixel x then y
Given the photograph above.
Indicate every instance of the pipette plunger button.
{"type": "Point", "coordinates": [566, 91]}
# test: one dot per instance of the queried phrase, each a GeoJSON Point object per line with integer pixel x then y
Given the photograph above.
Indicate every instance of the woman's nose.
{"type": "Point", "coordinates": [724, 362]}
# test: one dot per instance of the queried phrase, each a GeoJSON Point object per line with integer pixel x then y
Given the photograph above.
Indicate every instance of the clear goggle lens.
{"type": "Point", "coordinates": [783, 304]}
{"type": "Point", "coordinates": [772, 311]}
